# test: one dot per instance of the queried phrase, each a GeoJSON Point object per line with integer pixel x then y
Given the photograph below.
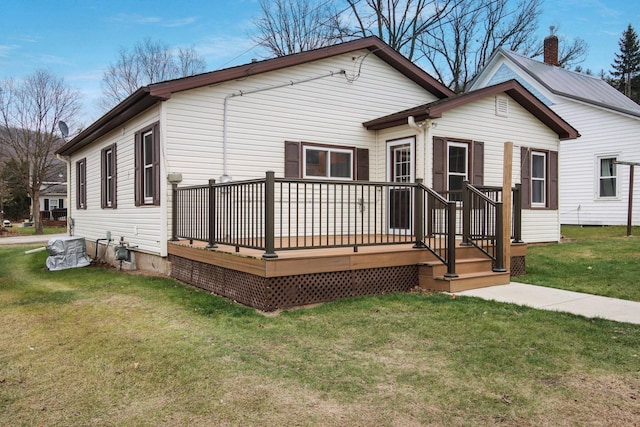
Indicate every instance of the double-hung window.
{"type": "Point", "coordinates": [538, 179]}
{"type": "Point", "coordinates": [109, 177]}
{"type": "Point", "coordinates": [607, 177]}
{"type": "Point", "coordinates": [147, 163]}
{"type": "Point", "coordinates": [327, 162]}
{"type": "Point", "coordinates": [81, 184]}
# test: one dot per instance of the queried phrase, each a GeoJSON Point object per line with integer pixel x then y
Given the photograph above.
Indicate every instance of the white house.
{"type": "Point", "coordinates": [593, 189]}
{"type": "Point", "coordinates": [342, 112]}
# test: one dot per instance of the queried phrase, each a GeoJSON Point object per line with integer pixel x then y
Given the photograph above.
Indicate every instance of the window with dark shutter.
{"type": "Point", "coordinates": [81, 184]}
{"type": "Point", "coordinates": [308, 160]}
{"type": "Point", "coordinates": [539, 178]}
{"type": "Point", "coordinates": [147, 166]}
{"type": "Point", "coordinates": [108, 177]}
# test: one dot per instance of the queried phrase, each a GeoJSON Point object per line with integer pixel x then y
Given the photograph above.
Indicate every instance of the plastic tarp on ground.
{"type": "Point", "coordinates": [67, 252]}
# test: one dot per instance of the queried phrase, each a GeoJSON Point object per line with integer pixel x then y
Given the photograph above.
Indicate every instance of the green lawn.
{"type": "Point", "coordinates": [597, 260]}
{"type": "Point", "coordinates": [30, 231]}
{"type": "Point", "coordinates": [95, 346]}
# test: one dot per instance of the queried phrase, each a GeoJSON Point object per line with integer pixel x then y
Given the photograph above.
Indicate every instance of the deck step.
{"type": "Point", "coordinates": [464, 281]}
{"type": "Point", "coordinates": [464, 265]}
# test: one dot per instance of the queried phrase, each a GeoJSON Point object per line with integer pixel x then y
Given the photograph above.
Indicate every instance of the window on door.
{"type": "Point", "coordinates": [400, 169]}
{"type": "Point", "coordinates": [607, 177]}
{"type": "Point", "coordinates": [458, 168]}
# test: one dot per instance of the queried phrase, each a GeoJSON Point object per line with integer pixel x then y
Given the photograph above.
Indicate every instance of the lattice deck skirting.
{"type": "Point", "coordinates": [518, 266]}
{"type": "Point", "coordinates": [273, 293]}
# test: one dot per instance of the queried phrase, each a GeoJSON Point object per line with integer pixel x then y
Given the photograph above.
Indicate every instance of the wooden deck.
{"type": "Point", "coordinates": [306, 276]}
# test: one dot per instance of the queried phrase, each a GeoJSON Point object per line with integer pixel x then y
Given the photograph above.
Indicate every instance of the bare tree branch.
{"type": "Point", "coordinates": [29, 112]}
{"type": "Point", "coordinates": [291, 26]}
{"type": "Point", "coordinates": [148, 62]}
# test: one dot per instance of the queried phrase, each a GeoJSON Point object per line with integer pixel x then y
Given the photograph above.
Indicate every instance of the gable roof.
{"type": "Point", "coordinates": [514, 89]}
{"type": "Point", "coordinates": [147, 96]}
{"type": "Point", "coordinates": [571, 84]}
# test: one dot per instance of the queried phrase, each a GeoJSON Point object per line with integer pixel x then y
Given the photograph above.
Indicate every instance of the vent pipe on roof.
{"type": "Point", "coordinates": [551, 48]}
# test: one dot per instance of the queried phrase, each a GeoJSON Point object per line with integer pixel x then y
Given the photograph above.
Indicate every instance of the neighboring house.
{"type": "Point", "coordinates": [53, 201]}
{"type": "Point", "coordinates": [593, 189]}
{"type": "Point", "coordinates": [354, 111]}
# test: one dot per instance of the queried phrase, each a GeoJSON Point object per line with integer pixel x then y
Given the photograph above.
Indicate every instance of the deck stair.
{"type": "Point", "coordinates": [474, 270]}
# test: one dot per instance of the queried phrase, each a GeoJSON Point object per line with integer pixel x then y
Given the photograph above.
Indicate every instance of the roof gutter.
{"type": "Point", "coordinates": [134, 104]}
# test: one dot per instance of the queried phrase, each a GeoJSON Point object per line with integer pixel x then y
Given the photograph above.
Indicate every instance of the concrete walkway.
{"type": "Point", "coordinates": [544, 298]}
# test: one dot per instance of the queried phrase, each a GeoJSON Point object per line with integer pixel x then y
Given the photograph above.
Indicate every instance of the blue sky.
{"type": "Point", "coordinates": [77, 40]}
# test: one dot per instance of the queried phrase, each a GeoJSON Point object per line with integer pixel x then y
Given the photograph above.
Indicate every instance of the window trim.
{"type": "Point", "coordinates": [109, 177]}
{"type": "Point", "coordinates": [598, 177]}
{"type": "Point", "coordinates": [81, 184]}
{"type": "Point", "coordinates": [545, 179]}
{"type": "Point", "coordinates": [329, 149]}
{"type": "Point", "coordinates": [140, 175]}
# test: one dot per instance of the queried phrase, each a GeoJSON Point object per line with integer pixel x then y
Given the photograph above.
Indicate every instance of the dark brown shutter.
{"type": "Point", "coordinates": [78, 192]}
{"type": "Point", "coordinates": [46, 204]}
{"type": "Point", "coordinates": [291, 159]}
{"type": "Point", "coordinates": [477, 165]}
{"type": "Point", "coordinates": [138, 170]}
{"type": "Point", "coordinates": [362, 164]}
{"type": "Point", "coordinates": [439, 164]}
{"type": "Point", "coordinates": [156, 164]}
{"type": "Point", "coordinates": [525, 176]}
{"type": "Point", "coordinates": [103, 178]}
{"type": "Point", "coordinates": [553, 180]}
{"type": "Point", "coordinates": [114, 178]}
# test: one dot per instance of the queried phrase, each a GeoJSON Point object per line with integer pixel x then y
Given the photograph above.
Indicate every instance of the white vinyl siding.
{"type": "Point", "coordinates": [478, 122]}
{"type": "Point", "coordinates": [139, 227]}
{"type": "Point", "coordinates": [327, 111]}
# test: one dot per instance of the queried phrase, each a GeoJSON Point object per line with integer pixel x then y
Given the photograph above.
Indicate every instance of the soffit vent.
{"type": "Point", "coordinates": [502, 106]}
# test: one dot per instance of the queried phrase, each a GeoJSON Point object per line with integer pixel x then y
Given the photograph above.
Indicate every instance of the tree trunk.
{"type": "Point", "coordinates": [35, 204]}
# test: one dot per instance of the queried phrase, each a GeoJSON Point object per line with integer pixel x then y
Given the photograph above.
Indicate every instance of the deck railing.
{"type": "Point", "coordinates": [275, 214]}
{"type": "Point", "coordinates": [495, 194]}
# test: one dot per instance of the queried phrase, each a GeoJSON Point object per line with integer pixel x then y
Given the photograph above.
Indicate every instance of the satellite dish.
{"type": "Point", "coordinates": [63, 128]}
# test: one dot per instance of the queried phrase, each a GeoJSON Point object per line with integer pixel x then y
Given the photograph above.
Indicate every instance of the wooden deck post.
{"type": "Point", "coordinates": [212, 215]}
{"type": "Point", "coordinates": [507, 176]}
{"type": "Point", "coordinates": [269, 216]}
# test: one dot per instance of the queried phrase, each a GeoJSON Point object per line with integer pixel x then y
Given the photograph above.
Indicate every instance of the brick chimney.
{"type": "Point", "coordinates": [551, 48]}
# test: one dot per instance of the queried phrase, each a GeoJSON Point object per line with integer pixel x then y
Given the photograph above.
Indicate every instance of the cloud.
{"type": "Point", "coordinates": [6, 49]}
{"type": "Point", "coordinates": [136, 19]}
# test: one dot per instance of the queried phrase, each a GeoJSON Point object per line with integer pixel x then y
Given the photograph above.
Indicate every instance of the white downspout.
{"type": "Point", "coordinates": [421, 129]}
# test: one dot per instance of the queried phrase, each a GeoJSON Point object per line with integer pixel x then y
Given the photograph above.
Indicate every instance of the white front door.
{"type": "Point", "coordinates": [400, 169]}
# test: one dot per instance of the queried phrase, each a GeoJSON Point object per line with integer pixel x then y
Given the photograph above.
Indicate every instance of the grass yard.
{"type": "Point", "coordinates": [95, 346]}
{"type": "Point", "coordinates": [31, 231]}
{"type": "Point", "coordinates": [597, 260]}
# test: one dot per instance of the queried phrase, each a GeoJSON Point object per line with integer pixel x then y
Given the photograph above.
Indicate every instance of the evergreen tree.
{"type": "Point", "coordinates": [626, 65]}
